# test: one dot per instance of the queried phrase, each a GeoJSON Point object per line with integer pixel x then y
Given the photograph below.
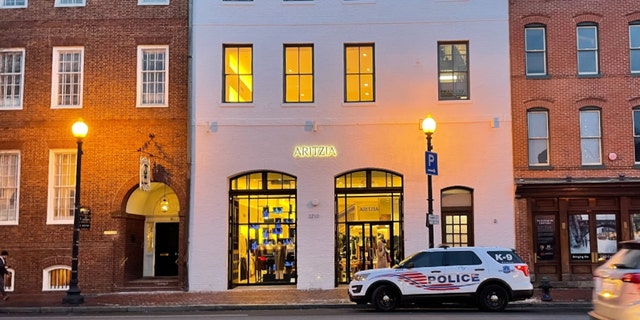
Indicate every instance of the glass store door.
{"type": "Point", "coordinates": [359, 251]}
{"type": "Point", "coordinates": [593, 238]}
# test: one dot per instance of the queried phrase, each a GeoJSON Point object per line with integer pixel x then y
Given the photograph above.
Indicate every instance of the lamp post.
{"type": "Point", "coordinates": [73, 296]}
{"type": "Point", "coordinates": [429, 127]}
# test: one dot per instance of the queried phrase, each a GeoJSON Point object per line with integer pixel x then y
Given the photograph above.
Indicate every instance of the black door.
{"type": "Point", "coordinates": [166, 263]}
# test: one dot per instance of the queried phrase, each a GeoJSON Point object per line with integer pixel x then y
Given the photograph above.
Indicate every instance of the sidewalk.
{"type": "Point", "coordinates": [285, 297]}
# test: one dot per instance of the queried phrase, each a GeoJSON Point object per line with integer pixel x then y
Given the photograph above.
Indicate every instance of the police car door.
{"type": "Point", "coordinates": [418, 272]}
{"type": "Point", "coordinates": [462, 273]}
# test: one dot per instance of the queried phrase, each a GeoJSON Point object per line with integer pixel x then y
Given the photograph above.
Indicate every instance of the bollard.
{"type": "Point", "coordinates": [545, 285]}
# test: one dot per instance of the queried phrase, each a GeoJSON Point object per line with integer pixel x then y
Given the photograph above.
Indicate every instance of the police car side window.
{"type": "Point", "coordinates": [429, 259]}
{"type": "Point", "coordinates": [462, 258]}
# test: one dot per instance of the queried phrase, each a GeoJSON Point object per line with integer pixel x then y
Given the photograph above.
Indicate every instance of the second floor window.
{"type": "Point", "coordinates": [453, 71]}
{"type": "Point", "coordinates": [634, 47]}
{"type": "Point", "coordinates": [587, 42]}
{"type": "Point", "coordinates": [11, 78]}
{"type": "Point", "coordinates": [69, 3]}
{"type": "Point", "coordinates": [590, 137]}
{"type": "Point", "coordinates": [535, 48]}
{"type": "Point", "coordinates": [538, 136]}
{"type": "Point", "coordinates": [153, 76]}
{"type": "Point", "coordinates": [9, 186]}
{"type": "Point", "coordinates": [359, 73]}
{"type": "Point", "coordinates": [238, 73]}
{"type": "Point", "coordinates": [13, 3]}
{"type": "Point", "coordinates": [67, 76]}
{"type": "Point", "coordinates": [62, 182]}
{"type": "Point", "coordinates": [298, 73]}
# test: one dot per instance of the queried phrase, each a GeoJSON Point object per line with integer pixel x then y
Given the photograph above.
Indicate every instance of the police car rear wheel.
{"type": "Point", "coordinates": [493, 298]}
{"type": "Point", "coordinates": [385, 298]}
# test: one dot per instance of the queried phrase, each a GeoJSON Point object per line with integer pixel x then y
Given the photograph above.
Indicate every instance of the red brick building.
{"type": "Point", "coordinates": [576, 128]}
{"type": "Point", "coordinates": [121, 66]}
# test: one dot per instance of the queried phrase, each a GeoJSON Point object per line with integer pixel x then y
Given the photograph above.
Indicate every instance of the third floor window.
{"type": "Point", "coordinates": [587, 44]}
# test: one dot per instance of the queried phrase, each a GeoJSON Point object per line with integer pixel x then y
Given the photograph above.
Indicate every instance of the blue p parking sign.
{"type": "Point", "coordinates": [431, 163]}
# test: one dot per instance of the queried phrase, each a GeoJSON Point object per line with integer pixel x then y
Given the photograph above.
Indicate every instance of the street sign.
{"type": "Point", "coordinates": [431, 163]}
{"type": "Point", "coordinates": [85, 218]}
{"type": "Point", "coordinates": [433, 219]}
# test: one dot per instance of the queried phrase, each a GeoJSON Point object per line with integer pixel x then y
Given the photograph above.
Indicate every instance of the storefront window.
{"type": "Point", "coordinates": [263, 229]}
{"type": "Point", "coordinates": [368, 221]}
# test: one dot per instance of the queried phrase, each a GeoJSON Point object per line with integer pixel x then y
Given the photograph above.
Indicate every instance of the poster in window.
{"type": "Point", "coordinates": [580, 248]}
{"type": "Point", "coordinates": [545, 236]}
{"type": "Point", "coordinates": [606, 232]}
{"type": "Point", "coordinates": [635, 226]}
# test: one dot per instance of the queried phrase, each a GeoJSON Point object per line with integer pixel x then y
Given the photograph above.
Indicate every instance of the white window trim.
{"type": "Point", "coordinates": [6, 6]}
{"type": "Point", "coordinates": [51, 219]}
{"type": "Point", "coordinates": [543, 51]}
{"type": "Point", "coordinates": [17, 195]}
{"type": "Point", "coordinates": [54, 77]}
{"type": "Point", "coordinates": [9, 287]}
{"type": "Point", "coordinates": [632, 48]}
{"type": "Point", "coordinates": [141, 49]}
{"type": "Point", "coordinates": [152, 2]}
{"type": "Point", "coordinates": [595, 49]}
{"type": "Point", "coordinates": [20, 104]}
{"type": "Point", "coordinates": [598, 138]}
{"type": "Point", "coordinates": [546, 138]}
{"type": "Point", "coordinates": [46, 278]}
{"type": "Point", "coordinates": [59, 3]}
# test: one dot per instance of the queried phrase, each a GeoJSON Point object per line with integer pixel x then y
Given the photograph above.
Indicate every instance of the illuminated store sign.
{"type": "Point", "coordinates": [314, 151]}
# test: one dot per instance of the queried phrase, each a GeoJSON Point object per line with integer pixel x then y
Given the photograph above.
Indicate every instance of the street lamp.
{"type": "Point", "coordinates": [73, 296]}
{"type": "Point", "coordinates": [429, 127]}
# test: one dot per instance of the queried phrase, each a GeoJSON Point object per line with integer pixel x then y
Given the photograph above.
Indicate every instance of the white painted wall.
{"type": "Point", "coordinates": [384, 134]}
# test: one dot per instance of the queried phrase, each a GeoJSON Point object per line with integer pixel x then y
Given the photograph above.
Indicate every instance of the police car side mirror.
{"type": "Point", "coordinates": [410, 265]}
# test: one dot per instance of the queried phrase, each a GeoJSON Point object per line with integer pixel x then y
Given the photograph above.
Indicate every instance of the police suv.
{"type": "Point", "coordinates": [489, 277]}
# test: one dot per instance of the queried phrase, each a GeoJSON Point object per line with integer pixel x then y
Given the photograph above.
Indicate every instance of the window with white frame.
{"type": "Point", "coordinates": [11, 78]}
{"type": "Point", "coordinates": [634, 46]}
{"type": "Point", "coordinates": [67, 74]}
{"type": "Point", "coordinates": [590, 136]}
{"type": "Point", "coordinates": [9, 186]}
{"type": "Point", "coordinates": [152, 2]}
{"type": "Point", "coordinates": [238, 73]}
{"type": "Point", "coordinates": [535, 47]}
{"type": "Point", "coordinates": [636, 133]}
{"type": "Point", "coordinates": [62, 181]}
{"type": "Point", "coordinates": [538, 136]}
{"type": "Point", "coordinates": [153, 76]}
{"type": "Point", "coordinates": [453, 71]}
{"type": "Point", "coordinates": [56, 278]}
{"type": "Point", "coordinates": [359, 73]}
{"type": "Point", "coordinates": [13, 4]}
{"type": "Point", "coordinates": [298, 73]}
{"type": "Point", "coordinates": [587, 42]}
{"type": "Point", "coordinates": [69, 3]}
{"type": "Point", "coordinates": [9, 280]}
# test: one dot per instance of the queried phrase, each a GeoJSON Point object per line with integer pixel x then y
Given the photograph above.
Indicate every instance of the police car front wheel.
{"type": "Point", "coordinates": [385, 298]}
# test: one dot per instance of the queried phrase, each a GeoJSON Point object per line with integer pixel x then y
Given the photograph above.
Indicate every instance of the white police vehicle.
{"type": "Point", "coordinates": [489, 277]}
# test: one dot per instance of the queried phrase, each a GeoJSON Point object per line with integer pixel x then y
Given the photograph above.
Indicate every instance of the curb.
{"type": "Point", "coordinates": [585, 306]}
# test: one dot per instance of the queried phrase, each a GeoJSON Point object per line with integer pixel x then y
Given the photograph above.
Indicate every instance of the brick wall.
{"type": "Point", "coordinates": [110, 32]}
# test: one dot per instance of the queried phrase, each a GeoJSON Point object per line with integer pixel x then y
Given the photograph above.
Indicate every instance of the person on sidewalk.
{"type": "Point", "coordinates": [3, 272]}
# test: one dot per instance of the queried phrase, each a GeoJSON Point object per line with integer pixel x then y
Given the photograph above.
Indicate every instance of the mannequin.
{"type": "Point", "coordinates": [261, 261]}
{"type": "Point", "coordinates": [280, 254]}
{"type": "Point", "coordinates": [381, 253]}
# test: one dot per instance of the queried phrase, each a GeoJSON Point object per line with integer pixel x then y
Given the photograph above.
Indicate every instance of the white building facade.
{"type": "Point", "coordinates": [308, 160]}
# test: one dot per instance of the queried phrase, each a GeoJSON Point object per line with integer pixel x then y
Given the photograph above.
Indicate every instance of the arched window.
{"type": "Point", "coordinates": [457, 216]}
{"type": "Point", "coordinates": [56, 278]}
{"type": "Point", "coordinates": [368, 217]}
{"type": "Point", "coordinates": [262, 225]}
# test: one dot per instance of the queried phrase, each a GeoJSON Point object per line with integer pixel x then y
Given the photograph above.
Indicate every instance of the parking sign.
{"type": "Point", "coordinates": [431, 163]}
